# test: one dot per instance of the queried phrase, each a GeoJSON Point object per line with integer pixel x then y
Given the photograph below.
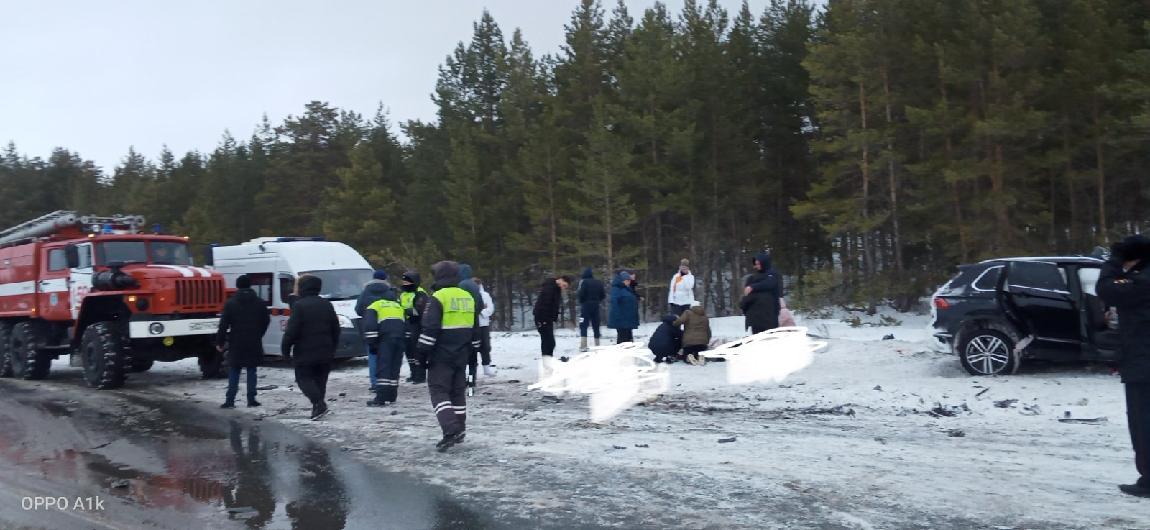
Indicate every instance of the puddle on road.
{"type": "Point", "coordinates": [164, 456]}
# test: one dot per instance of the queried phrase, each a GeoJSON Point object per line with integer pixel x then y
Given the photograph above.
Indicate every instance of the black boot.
{"type": "Point", "coordinates": [228, 405]}
{"type": "Point", "coordinates": [1135, 490]}
{"type": "Point", "coordinates": [449, 440]}
{"type": "Point", "coordinates": [378, 401]}
{"type": "Point", "coordinates": [318, 410]}
{"type": "Point", "coordinates": [253, 403]}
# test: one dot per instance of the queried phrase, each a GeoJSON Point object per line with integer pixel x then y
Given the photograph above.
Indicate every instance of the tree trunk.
{"type": "Point", "coordinates": [892, 177]}
{"type": "Point", "coordinates": [1100, 161]}
{"type": "Point", "coordinates": [867, 247]}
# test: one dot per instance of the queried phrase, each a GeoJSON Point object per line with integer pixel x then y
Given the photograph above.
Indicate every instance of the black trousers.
{"type": "Point", "coordinates": [695, 349]}
{"type": "Point", "coordinates": [484, 351]}
{"type": "Point", "coordinates": [589, 317]}
{"type": "Point", "coordinates": [447, 385]}
{"type": "Point", "coordinates": [390, 360]}
{"type": "Point", "coordinates": [678, 310]}
{"type": "Point", "coordinates": [1138, 417]}
{"type": "Point", "coordinates": [418, 371]}
{"type": "Point", "coordinates": [625, 335]}
{"type": "Point", "coordinates": [312, 381]}
{"type": "Point", "coordinates": [546, 337]}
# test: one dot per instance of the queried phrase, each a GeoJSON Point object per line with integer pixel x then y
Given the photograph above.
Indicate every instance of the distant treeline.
{"type": "Point", "coordinates": [870, 146]}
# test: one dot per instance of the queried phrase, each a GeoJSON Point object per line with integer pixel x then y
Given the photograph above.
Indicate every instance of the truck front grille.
{"type": "Point", "coordinates": [206, 293]}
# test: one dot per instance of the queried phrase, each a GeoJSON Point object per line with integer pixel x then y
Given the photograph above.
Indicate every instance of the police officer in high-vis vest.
{"type": "Point", "coordinates": [383, 331]}
{"type": "Point", "coordinates": [450, 334]}
{"type": "Point", "coordinates": [414, 302]}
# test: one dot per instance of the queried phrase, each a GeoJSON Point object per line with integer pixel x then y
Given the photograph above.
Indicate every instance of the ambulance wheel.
{"type": "Point", "coordinates": [26, 352]}
{"type": "Point", "coordinates": [5, 364]}
{"type": "Point", "coordinates": [212, 365]}
{"type": "Point", "coordinates": [106, 356]}
{"type": "Point", "coordinates": [142, 365]}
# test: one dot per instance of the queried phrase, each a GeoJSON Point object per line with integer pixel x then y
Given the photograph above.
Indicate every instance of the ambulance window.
{"type": "Point", "coordinates": [56, 260]}
{"type": "Point", "coordinates": [287, 285]}
{"type": "Point", "coordinates": [262, 285]}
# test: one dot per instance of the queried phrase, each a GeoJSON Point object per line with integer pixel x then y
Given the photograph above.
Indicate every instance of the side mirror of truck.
{"type": "Point", "coordinates": [72, 256]}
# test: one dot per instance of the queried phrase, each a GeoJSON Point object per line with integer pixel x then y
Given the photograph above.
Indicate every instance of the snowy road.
{"type": "Point", "coordinates": [875, 434]}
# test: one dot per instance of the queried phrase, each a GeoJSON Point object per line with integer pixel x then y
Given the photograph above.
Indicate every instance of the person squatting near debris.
{"type": "Point", "coordinates": [383, 333]}
{"type": "Point", "coordinates": [450, 333]}
{"type": "Point", "coordinates": [666, 340]}
{"type": "Point", "coordinates": [546, 313]}
{"type": "Point", "coordinates": [413, 299]}
{"type": "Point", "coordinates": [241, 333]}
{"type": "Point", "coordinates": [760, 303]}
{"type": "Point", "coordinates": [310, 340]}
{"type": "Point", "coordinates": [590, 296]}
{"type": "Point", "coordinates": [682, 290]}
{"type": "Point", "coordinates": [371, 292]}
{"type": "Point", "coordinates": [1125, 284]}
{"type": "Point", "coordinates": [623, 313]}
{"type": "Point", "coordinates": [696, 333]}
{"type": "Point", "coordinates": [484, 352]}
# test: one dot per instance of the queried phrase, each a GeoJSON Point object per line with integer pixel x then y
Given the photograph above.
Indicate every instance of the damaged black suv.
{"type": "Point", "coordinates": [997, 313]}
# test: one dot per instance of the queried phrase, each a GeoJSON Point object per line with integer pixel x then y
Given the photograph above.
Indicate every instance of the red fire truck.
{"type": "Point", "coordinates": [112, 297]}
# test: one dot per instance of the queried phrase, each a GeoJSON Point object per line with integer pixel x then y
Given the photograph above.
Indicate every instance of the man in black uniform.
{"type": "Point", "coordinates": [450, 333]}
{"type": "Point", "coordinates": [1125, 284]}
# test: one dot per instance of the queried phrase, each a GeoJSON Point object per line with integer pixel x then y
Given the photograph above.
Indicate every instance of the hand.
{"type": "Point", "coordinates": [747, 291]}
{"type": "Point", "coordinates": [220, 349]}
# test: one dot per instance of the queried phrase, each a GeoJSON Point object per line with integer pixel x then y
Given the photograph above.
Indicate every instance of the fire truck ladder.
{"type": "Point", "coordinates": [46, 225]}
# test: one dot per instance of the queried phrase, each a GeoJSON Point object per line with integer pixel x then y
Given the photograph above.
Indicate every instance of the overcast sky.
{"type": "Point", "coordinates": [98, 77]}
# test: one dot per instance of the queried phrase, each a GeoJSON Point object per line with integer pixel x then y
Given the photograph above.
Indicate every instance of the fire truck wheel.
{"type": "Point", "coordinates": [5, 365]}
{"type": "Point", "coordinates": [106, 355]}
{"type": "Point", "coordinates": [142, 365]}
{"type": "Point", "coordinates": [212, 365]}
{"type": "Point", "coordinates": [26, 352]}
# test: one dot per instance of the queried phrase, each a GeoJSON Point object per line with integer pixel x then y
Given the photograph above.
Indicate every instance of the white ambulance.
{"type": "Point", "coordinates": [274, 263]}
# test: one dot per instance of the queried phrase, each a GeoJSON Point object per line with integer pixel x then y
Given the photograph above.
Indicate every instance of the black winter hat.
{"type": "Point", "coordinates": [1132, 248]}
{"type": "Point", "coordinates": [243, 282]}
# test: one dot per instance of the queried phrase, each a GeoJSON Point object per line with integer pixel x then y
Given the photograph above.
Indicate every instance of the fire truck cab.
{"type": "Point", "coordinates": [115, 299]}
{"type": "Point", "coordinates": [274, 263]}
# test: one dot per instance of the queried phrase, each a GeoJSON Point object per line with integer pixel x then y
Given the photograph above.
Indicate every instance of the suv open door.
{"type": "Point", "coordinates": [1037, 295]}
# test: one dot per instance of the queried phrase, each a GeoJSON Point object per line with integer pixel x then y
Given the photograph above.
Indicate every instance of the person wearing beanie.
{"type": "Point", "coordinates": [242, 326]}
{"type": "Point", "coordinates": [696, 333]}
{"type": "Point", "coordinates": [682, 290]}
{"type": "Point", "coordinates": [372, 292]}
{"type": "Point", "coordinates": [413, 299]}
{"type": "Point", "coordinates": [1124, 283]}
{"type": "Point", "coordinates": [450, 333]}
{"type": "Point", "coordinates": [762, 292]}
{"type": "Point", "coordinates": [623, 311]}
{"type": "Point", "coordinates": [310, 340]}
{"type": "Point", "coordinates": [590, 296]}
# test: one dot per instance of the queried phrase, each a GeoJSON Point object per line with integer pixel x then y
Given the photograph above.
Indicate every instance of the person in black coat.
{"type": "Point", "coordinates": [760, 302]}
{"type": "Point", "coordinates": [1124, 283]}
{"type": "Point", "coordinates": [241, 334]}
{"type": "Point", "coordinates": [310, 340]}
{"type": "Point", "coordinates": [590, 296]}
{"type": "Point", "coordinates": [546, 311]}
{"type": "Point", "coordinates": [666, 340]}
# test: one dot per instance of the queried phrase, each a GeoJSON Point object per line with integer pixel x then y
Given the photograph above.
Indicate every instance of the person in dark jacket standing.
{"type": "Point", "coordinates": [383, 333]}
{"type": "Point", "coordinates": [623, 313]}
{"type": "Point", "coordinates": [1124, 283]}
{"type": "Point", "coordinates": [310, 340]}
{"type": "Point", "coordinates": [666, 340]}
{"type": "Point", "coordinates": [413, 299]}
{"type": "Point", "coordinates": [242, 326]}
{"type": "Point", "coordinates": [590, 296]}
{"type": "Point", "coordinates": [450, 333]}
{"type": "Point", "coordinates": [546, 312]}
{"type": "Point", "coordinates": [373, 291]}
{"type": "Point", "coordinates": [467, 283]}
{"type": "Point", "coordinates": [760, 302]}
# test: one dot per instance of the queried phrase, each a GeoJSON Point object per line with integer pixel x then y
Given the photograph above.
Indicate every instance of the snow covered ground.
{"type": "Point", "coordinates": [875, 434]}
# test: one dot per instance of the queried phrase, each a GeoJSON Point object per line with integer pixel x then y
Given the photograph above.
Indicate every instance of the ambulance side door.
{"type": "Point", "coordinates": [280, 311]}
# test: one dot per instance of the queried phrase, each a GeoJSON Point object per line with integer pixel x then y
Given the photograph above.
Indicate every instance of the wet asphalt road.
{"type": "Point", "coordinates": [121, 460]}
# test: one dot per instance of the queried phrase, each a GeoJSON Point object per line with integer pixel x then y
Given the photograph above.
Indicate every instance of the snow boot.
{"type": "Point", "coordinates": [489, 370]}
{"type": "Point", "coordinates": [319, 410]}
{"type": "Point", "coordinates": [253, 403]}
{"type": "Point", "coordinates": [377, 402]}
{"type": "Point", "coordinates": [228, 405]}
{"type": "Point", "coordinates": [596, 342]}
{"type": "Point", "coordinates": [582, 344]}
{"type": "Point", "coordinates": [546, 367]}
{"type": "Point", "coordinates": [449, 440]}
{"type": "Point", "coordinates": [1135, 490]}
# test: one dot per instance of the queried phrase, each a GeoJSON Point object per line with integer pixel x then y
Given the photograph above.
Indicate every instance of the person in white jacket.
{"type": "Point", "coordinates": [484, 334]}
{"type": "Point", "coordinates": [682, 290]}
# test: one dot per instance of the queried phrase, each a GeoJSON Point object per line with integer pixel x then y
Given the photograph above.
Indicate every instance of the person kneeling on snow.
{"type": "Point", "coordinates": [696, 332]}
{"type": "Point", "coordinates": [666, 340]}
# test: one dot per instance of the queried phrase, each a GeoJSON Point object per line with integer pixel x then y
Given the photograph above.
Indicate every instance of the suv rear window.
{"type": "Point", "coordinates": [988, 280]}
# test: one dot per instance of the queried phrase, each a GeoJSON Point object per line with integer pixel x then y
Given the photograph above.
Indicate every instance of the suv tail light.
{"type": "Point", "coordinates": [941, 303]}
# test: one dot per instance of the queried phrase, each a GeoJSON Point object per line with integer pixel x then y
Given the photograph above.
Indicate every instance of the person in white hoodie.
{"type": "Point", "coordinates": [682, 291]}
{"type": "Point", "coordinates": [485, 337]}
